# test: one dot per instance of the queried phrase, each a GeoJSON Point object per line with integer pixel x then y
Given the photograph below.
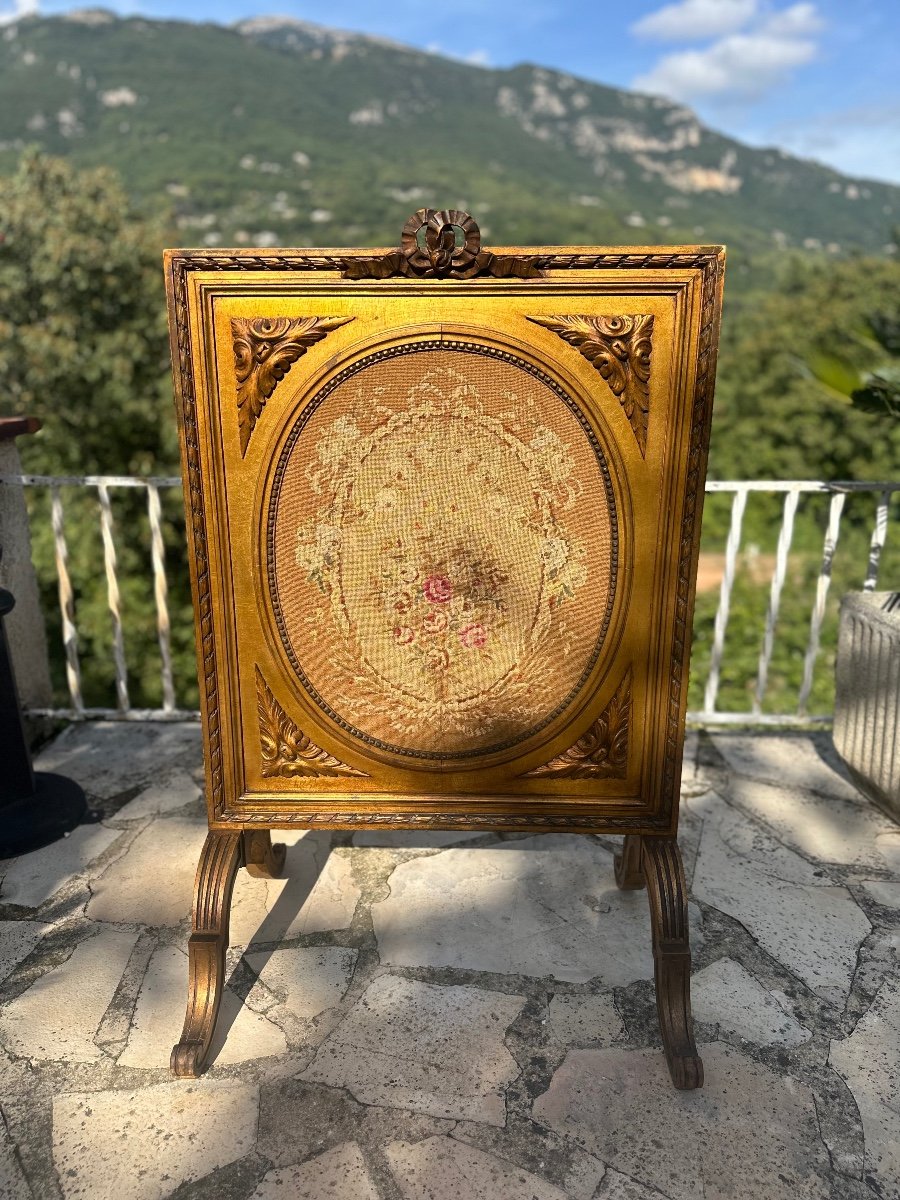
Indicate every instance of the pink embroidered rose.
{"type": "Point", "coordinates": [437, 589]}
{"type": "Point", "coordinates": [473, 636]}
{"type": "Point", "coordinates": [435, 621]}
{"type": "Point", "coordinates": [403, 635]}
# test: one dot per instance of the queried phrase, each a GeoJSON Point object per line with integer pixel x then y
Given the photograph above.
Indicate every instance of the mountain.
{"type": "Point", "coordinates": [282, 132]}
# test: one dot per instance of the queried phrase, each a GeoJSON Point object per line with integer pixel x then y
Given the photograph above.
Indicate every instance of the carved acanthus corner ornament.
{"type": "Point", "coordinates": [619, 348]}
{"type": "Point", "coordinates": [601, 752]}
{"type": "Point", "coordinates": [428, 250]}
{"type": "Point", "coordinates": [265, 349]}
{"type": "Point", "coordinates": [286, 750]}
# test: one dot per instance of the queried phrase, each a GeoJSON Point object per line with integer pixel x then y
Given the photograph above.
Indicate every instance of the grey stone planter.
{"type": "Point", "coordinates": [867, 696]}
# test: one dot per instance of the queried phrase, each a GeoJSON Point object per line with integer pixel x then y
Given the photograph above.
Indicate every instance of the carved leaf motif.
{"type": "Point", "coordinates": [619, 348]}
{"type": "Point", "coordinates": [286, 750]}
{"type": "Point", "coordinates": [265, 349]}
{"type": "Point", "coordinates": [601, 752]}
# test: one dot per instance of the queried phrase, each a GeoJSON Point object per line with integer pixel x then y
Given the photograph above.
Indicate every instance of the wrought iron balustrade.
{"type": "Point", "coordinates": [793, 493]}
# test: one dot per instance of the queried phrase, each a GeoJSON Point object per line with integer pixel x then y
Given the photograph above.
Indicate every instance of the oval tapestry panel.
{"type": "Point", "coordinates": [441, 549]}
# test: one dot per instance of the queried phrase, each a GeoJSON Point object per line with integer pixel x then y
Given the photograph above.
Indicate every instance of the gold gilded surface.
{"type": "Point", "coordinates": [620, 348]}
{"type": "Point", "coordinates": [601, 752]}
{"type": "Point", "coordinates": [264, 351]}
{"type": "Point", "coordinates": [442, 587]}
{"type": "Point", "coordinates": [285, 749]}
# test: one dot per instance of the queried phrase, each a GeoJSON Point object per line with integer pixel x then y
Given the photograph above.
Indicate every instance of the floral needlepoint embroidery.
{"type": "Point", "coordinates": [435, 622]}
{"type": "Point", "coordinates": [450, 611]}
{"type": "Point", "coordinates": [473, 636]}
{"type": "Point", "coordinates": [438, 589]}
{"type": "Point", "coordinates": [450, 571]}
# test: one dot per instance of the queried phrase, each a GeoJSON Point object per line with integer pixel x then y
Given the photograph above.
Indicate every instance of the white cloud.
{"type": "Point", "coordinates": [740, 65]}
{"type": "Point", "coordinates": [21, 8]}
{"type": "Point", "coordinates": [691, 20]}
{"type": "Point", "coordinates": [800, 20]}
{"type": "Point", "coordinates": [478, 58]}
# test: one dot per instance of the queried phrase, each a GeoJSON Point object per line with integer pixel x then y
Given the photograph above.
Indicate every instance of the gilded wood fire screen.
{"type": "Point", "coordinates": [443, 506]}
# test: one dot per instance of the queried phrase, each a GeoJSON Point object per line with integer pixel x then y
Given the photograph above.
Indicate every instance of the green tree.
{"type": "Point", "coordinates": [83, 341]}
{"type": "Point", "coordinates": [790, 358]}
{"type": "Point", "coordinates": [84, 346]}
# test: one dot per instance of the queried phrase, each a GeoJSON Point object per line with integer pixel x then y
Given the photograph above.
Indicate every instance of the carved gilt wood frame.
{"type": "Point", "coordinates": [690, 276]}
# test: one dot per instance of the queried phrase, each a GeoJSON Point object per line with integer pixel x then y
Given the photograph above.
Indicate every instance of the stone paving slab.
{"type": "Point", "coordinates": [584, 1020]}
{"type": "Point", "coordinates": [13, 1184]}
{"type": "Point", "coordinates": [412, 1015]}
{"type": "Point", "coordinates": [59, 1015]}
{"type": "Point", "coordinates": [884, 893]}
{"type": "Point", "coordinates": [888, 846]}
{"type": "Point", "coordinates": [789, 905]}
{"type": "Point", "coordinates": [542, 906]}
{"type": "Point", "coordinates": [809, 764]}
{"type": "Point", "coordinates": [111, 757]}
{"type": "Point", "coordinates": [617, 1186]}
{"type": "Point", "coordinates": [721, 1142]}
{"type": "Point", "coordinates": [436, 1050]}
{"type": "Point", "coordinates": [17, 940]}
{"type": "Point", "coordinates": [306, 982]}
{"type": "Point", "coordinates": [824, 828]}
{"type": "Point", "coordinates": [727, 996]}
{"type": "Point", "coordinates": [152, 883]}
{"type": "Point", "coordinates": [242, 1035]}
{"type": "Point", "coordinates": [34, 878]}
{"type": "Point", "coordinates": [869, 1060]}
{"type": "Point", "coordinates": [316, 892]}
{"type": "Point", "coordinates": [162, 796]}
{"type": "Point", "coordinates": [140, 1145]}
{"type": "Point", "coordinates": [440, 1168]}
{"type": "Point", "coordinates": [338, 1174]}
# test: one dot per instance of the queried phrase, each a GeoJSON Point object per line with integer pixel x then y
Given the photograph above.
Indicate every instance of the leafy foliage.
{"type": "Point", "coordinates": [790, 357]}
{"type": "Point", "coordinates": [83, 341]}
{"type": "Point", "coordinates": [84, 346]}
{"type": "Point", "coordinates": [881, 394]}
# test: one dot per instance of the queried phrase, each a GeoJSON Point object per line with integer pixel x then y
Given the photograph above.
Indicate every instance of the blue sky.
{"type": "Point", "coordinates": [819, 77]}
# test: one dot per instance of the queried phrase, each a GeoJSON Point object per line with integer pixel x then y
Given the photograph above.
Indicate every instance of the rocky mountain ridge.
{"type": "Point", "coordinates": [278, 131]}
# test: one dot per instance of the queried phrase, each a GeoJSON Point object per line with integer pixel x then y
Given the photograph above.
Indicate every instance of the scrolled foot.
{"type": "Point", "coordinates": [207, 944]}
{"type": "Point", "coordinates": [187, 1059]}
{"type": "Point", "coordinates": [686, 1072]}
{"type": "Point", "coordinates": [667, 893]}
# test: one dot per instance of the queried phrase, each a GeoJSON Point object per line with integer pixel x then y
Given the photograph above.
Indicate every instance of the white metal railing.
{"type": "Point", "coordinates": [102, 484]}
{"type": "Point", "coordinates": [792, 490]}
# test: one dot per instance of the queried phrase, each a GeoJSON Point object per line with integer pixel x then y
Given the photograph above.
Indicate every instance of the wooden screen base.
{"type": "Point", "coordinates": [222, 854]}
{"type": "Point", "coordinates": [655, 862]}
{"type": "Point", "coordinates": [651, 861]}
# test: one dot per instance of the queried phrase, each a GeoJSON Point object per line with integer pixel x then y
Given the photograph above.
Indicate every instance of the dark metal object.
{"type": "Point", "coordinates": [35, 809]}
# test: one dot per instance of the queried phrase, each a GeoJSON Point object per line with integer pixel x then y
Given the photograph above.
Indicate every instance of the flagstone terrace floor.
{"type": "Point", "coordinates": [420, 1017]}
